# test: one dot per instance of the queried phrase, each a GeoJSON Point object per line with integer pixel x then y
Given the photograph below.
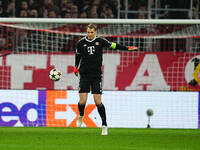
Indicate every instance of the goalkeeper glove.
{"type": "Point", "coordinates": [132, 48]}
{"type": "Point", "coordinates": [76, 71]}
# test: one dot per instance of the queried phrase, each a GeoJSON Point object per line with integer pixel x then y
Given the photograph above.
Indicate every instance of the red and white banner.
{"type": "Point", "coordinates": [122, 71]}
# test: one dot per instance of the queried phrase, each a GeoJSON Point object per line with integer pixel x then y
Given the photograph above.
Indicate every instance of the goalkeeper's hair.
{"type": "Point", "coordinates": [92, 26]}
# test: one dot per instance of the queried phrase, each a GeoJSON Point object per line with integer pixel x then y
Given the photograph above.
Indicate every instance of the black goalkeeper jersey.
{"type": "Point", "coordinates": [91, 55]}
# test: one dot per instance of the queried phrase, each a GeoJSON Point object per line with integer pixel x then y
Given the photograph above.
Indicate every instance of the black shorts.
{"type": "Point", "coordinates": [88, 83]}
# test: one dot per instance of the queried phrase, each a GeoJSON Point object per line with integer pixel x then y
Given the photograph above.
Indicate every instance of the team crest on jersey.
{"type": "Point", "coordinates": [96, 43]}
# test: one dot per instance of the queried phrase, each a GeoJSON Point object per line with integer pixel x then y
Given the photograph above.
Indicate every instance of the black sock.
{"type": "Point", "coordinates": [102, 113]}
{"type": "Point", "coordinates": [81, 108]}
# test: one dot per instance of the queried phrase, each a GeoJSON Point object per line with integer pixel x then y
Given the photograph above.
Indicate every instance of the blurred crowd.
{"type": "Point", "coordinates": [60, 8]}
{"type": "Point", "coordinates": [96, 9]}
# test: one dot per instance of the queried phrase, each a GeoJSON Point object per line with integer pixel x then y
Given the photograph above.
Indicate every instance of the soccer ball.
{"type": "Point", "coordinates": [55, 74]}
{"type": "Point", "coordinates": [149, 112]}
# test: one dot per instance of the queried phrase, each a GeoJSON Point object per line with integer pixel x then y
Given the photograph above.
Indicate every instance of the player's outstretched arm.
{"type": "Point", "coordinates": [121, 47]}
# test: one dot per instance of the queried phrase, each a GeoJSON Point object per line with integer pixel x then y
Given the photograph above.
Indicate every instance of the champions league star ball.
{"type": "Point", "coordinates": [149, 112]}
{"type": "Point", "coordinates": [55, 75]}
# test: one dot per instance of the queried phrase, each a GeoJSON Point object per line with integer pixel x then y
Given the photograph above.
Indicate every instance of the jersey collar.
{"type": "Point", "coordinates": [90, 40]}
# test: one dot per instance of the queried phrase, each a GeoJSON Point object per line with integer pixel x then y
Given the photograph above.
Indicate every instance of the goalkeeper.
{"type": "Point", "coordinates": [88, 64]}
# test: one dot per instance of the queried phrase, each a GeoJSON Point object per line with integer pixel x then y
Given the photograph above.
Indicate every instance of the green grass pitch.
{"type": "Point", "coordinates": [42, 138]}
